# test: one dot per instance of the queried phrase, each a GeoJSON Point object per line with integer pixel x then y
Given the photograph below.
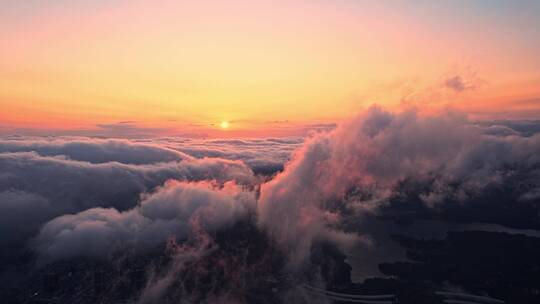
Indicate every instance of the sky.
{"type": "Point", "coordinates": [263, 67]}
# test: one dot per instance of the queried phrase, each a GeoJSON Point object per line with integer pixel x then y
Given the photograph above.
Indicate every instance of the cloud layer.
{"type": "Point", "coordinates": [169, 212]}
{"type": "Point", "coordinates": [60, 178]}
{"type": "Point", "coordinates": [65, 197]}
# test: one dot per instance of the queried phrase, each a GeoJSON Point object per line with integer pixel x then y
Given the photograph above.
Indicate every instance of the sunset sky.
{"type": "Point", "coordinates": [269, 151]}
{"type": "Point", "coordinates": [258, 68]}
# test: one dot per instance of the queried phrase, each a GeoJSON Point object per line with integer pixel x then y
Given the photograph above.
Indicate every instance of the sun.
{"type": "Point", "coordinates": [224, 124]}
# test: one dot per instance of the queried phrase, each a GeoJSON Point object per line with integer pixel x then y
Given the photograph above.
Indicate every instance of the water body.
{"type": "Point", "coordinates": [364, 258]}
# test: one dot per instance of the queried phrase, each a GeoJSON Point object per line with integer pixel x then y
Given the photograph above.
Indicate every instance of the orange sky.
{"type": "Point", "coordinates": [268, 67]}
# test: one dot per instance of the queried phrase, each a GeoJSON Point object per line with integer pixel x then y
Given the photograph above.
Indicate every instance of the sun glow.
{"type": "Point", "coordinates": [224, 124]}
{"type": "Point", "coordinates": [179, 67]}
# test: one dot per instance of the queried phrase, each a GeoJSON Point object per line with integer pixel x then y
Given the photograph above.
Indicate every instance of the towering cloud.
{"type": "Point", "coordinates": [364, 163]}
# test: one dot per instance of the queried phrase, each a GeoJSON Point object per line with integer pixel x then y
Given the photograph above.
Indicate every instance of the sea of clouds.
{"type": "Point", "coordinates": [65, 197]}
